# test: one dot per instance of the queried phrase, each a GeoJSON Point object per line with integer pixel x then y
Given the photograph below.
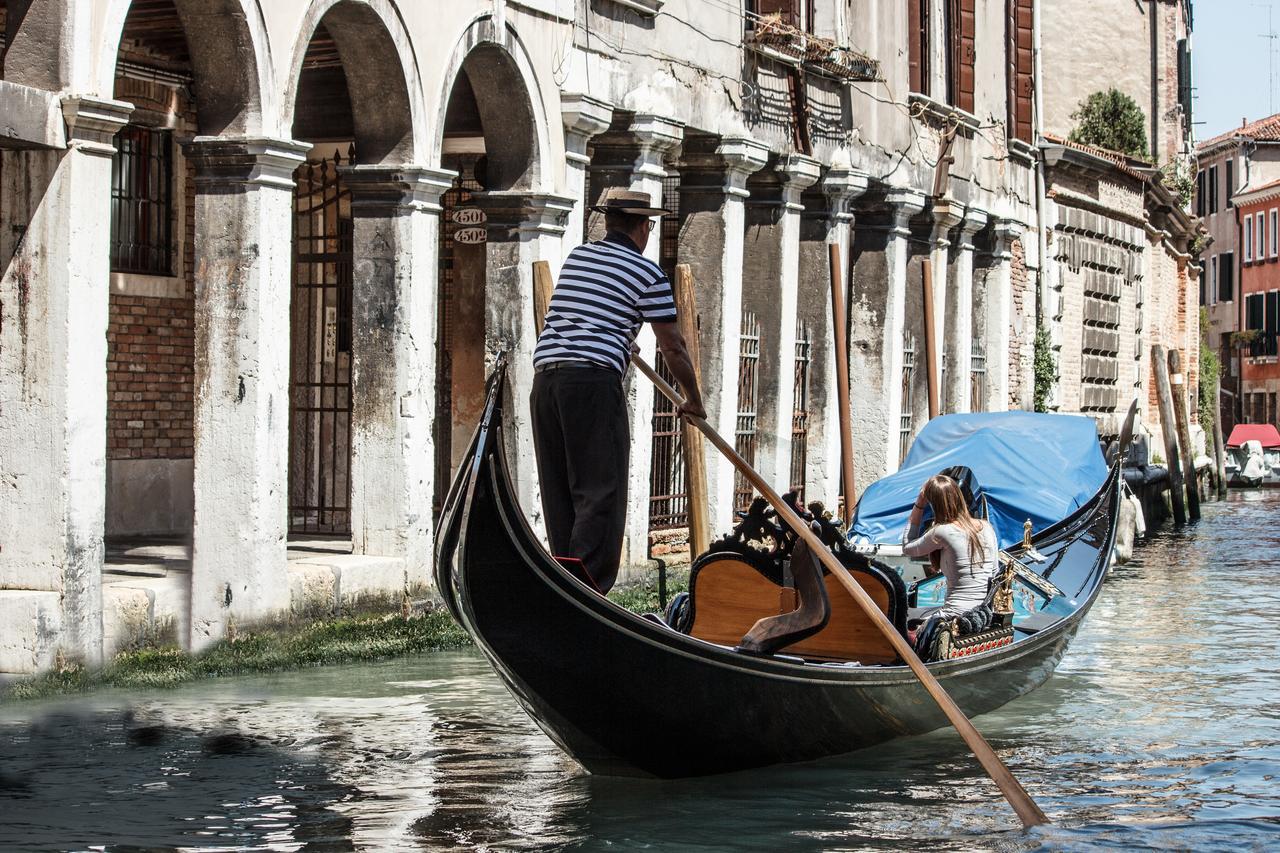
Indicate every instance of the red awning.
{"type": "Point", "coordinates": [1264, 433]}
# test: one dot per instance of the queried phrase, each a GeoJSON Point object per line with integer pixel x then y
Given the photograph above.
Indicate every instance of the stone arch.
{"type": "Point", "coordinates": [509, 101]}
{"type": "Point", "coordinates": [230, 61]}
{"type": "Point", "coordinates": [386, 96]}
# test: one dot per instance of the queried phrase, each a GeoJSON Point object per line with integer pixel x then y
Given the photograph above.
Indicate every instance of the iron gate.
{"type": "Point", "coordinates": [908, 403]}
{"type": "Point", "coordinates": [978, 377]}
{"type": "Point", "coordinates": [320, 352]}
{"type": "Point", "coordinates": [668, 481]}
{"type": "Point", "coordinates": [800, 414]}
{"type": "Point", "coordinates": [748, 405]}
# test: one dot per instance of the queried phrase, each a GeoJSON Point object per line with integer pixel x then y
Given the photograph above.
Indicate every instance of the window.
{"type": "Point", "coordinates": [1275, 232]}
{"type": "Point", "coordinates": [142, 202]}
{"type": "Point", "coordinates": [1213, 189]}
{"type": "Point", "coordinates": [1200, 188]}
{"type": "Point", "coordinates": [797, 13]}
{"type": "Point", "coordinates": [1254, 320]}
{"type": "Point", "coordinates": [1020, 69]}
{"type": "Point", "coordinates": [1226, 276]}
{"type": "Point", "coordinates": [1231, 181]}
{"type": "Point", "coordinates": [1272, 321]}
{"type": "Point", "coordinates": [918, 44]}
{"type": "Point", "coordinates": [961, 25]}
{"type": "Point", "coordinates": [1260, 237]}
{"type": "Point", "coordinates": [1204, 283]}
{"type": "Point", "coordinates": [1248, 239]}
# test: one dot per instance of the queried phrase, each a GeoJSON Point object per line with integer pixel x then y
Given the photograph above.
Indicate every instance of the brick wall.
{"type": "Point", "coordinates": [151, 339]}
{"type": "Point", "coordinates": [1022, 335]}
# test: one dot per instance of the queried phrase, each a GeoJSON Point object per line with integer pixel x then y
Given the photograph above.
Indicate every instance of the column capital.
{"type": "Point", "coordinates": [904, 203]}
{"type": "Point", "coordinates": [656, 137]}
{"type": "Point", "coordinates": [583, 117]}
{"type": "Point", "coordinates": [1005, 232]}
{"type": "Point", "coordinates": [798, 172]}
{"type": "Point", "coordinates": [396, 189]}
{"type": "Point", "coordinates": [511, 214]}
{"type": "Point", "coordinates": [841, 186]}
{"type": "Point", "coordinates": [975, 218]}
{"type": "Point", "coordinates": [92, 123]}
{"type": "Point", "coordinates": [947, 214]}
{"type": "Point", "coordinates": [225, 164]}
{"type": "Point", "coordinates": [740, 157]}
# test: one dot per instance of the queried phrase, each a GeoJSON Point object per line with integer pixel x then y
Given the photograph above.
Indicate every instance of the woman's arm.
{"type": "Point", "coordinates": [927, 542]}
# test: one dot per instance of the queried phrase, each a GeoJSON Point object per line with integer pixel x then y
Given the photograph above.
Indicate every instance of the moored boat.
{"type": "Point", "coordinates": [1253, 456]}
{"type": "Point", "coordinates": [626, 694]}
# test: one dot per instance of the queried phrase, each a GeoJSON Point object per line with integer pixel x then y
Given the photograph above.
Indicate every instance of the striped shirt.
{"type": "Point", "coordinates": [606, 290]}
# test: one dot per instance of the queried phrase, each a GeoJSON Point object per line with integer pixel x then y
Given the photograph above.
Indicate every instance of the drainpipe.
{"type": "Point", "coordinates": [1042, 292]}
{"type": "Point", "coordinates": [1154, 10]}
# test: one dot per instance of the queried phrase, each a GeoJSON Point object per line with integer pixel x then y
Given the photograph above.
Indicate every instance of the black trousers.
{"type": "Point", "coordinates": [582, 441]}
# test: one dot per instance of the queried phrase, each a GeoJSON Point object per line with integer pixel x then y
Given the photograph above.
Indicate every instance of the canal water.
{"type": "Point", "coordinates": [1161, 730]}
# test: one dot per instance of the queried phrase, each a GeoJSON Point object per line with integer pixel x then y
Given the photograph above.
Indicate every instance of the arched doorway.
{"type": "Point", "coordinates": [355, 364]}
{"type": "Point", "coordinates": [490, 140]}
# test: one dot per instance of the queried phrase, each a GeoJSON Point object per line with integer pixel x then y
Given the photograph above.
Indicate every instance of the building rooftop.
{"type": "Point", "coordinates": [1263, 130]}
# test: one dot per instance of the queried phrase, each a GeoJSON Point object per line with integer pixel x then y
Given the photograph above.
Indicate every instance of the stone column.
{"type": "Point", "coordinates": [875, 344]}
{"type": "Point", "coordinates": [1000, 315]}
{"type": "Point", "coordinates": [396, 219]}
{"type": "Point", "coordinates": [54, 248]}
{"type": "Point", "coordinates": [946, 216]}
{"type": "Point", "coordinates": [584, 117]}
{"type": "Point", "coordinates": [523, 227]}
{"type": "Point", "coordinates": [713, 176]}
{"type": "Point", "coordinates": [827, 220]}
{"type": "Point", "coordinates": [771, 272]}
{"type": "Point", "coordinates": [959, 320]}
{"type": "Point", "coordinates": [243, 209]}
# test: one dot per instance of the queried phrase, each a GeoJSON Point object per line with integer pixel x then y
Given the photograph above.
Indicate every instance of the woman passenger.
{"type": "Point", "coordinates": [966, 546]}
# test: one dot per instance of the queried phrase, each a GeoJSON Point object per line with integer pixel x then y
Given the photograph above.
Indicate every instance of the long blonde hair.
{"type": "Point", "coordinates": [947, 500]}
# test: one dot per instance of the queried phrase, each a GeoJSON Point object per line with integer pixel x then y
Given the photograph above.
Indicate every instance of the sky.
{"type": "Point", "coordinates": [1232, 60]}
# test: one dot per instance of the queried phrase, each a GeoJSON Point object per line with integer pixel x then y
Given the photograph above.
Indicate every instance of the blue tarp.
{"type": "Point", "coordinates": [1028, 465]}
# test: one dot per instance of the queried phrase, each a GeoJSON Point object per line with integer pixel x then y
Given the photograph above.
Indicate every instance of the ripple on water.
{"type": "Point", "coordinates": [1158, 731]}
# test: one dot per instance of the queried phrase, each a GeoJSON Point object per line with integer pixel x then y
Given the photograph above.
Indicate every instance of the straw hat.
{"type": "Point", "coordinates": [626, 201]}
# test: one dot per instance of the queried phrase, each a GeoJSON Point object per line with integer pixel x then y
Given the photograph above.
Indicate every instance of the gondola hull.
{"type": "Point", "coordinates": [625, 695]}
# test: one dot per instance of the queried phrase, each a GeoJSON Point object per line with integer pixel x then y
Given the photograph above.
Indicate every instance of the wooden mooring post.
{"type": "Point", "coordinates": [695, 454]}
{"type": "Point", "coordinates": [930, 344]}
{"type": "Point", "coordinates": [1168, 428]}
{"type": "Point", "coordinates": [840, 328]}
{"type": "Point", "coordinates": [1178, 386]}
{"type": "Point", "coordinates": [1219, 445]}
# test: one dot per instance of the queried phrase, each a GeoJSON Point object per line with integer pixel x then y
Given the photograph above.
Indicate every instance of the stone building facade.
{"type": "Point", "coordinates": [258, 258]}
{"type": "Point", "coordinates": [1239, 161]}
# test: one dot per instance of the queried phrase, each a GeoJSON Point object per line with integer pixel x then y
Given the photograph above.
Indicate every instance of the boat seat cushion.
{"type": "Point", "coordinates": [729, 591]}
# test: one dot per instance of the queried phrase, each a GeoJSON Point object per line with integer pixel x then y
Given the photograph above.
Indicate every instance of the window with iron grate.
{"type": "Point", "coordinates": [142, 202]}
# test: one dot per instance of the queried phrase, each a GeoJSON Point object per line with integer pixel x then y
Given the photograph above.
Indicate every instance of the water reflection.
{"type": "Point", "coordinates": [1159, 730]}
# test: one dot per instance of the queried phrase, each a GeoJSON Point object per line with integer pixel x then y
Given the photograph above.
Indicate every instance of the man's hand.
{"type": "Point", "coordinates": [692, 410]}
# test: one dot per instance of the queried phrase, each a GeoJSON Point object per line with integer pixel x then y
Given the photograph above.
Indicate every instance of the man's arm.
{"type": "Point", "coordinates": [676, 354]}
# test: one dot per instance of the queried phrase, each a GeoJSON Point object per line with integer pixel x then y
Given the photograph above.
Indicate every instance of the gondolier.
{"type": "Point", "coordinates": [581, 435]}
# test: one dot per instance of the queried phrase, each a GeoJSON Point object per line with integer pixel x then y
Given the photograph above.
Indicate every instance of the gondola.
{"type": "Point", "coordinates": [629, 695]}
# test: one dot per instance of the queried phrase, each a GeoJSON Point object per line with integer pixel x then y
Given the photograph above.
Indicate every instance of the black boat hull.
{"type": "Point", "coordinates": [625, 695]}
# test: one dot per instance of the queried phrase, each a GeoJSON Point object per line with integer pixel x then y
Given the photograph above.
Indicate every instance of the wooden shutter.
{"type": "Point", "coordinates": [1021, 70]}
{"type": "Point", "coordinates": [963, 35]}
{"type": "Point", "coordinates": [918, 44]}
{"type": "Point", "coordinates": [788, 10]}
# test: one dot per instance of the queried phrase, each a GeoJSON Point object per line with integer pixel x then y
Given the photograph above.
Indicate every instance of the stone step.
{"type": "Point", "coordinates": [144, 611]}
{"type": "Point", "coordinates": [32, 625]}
{"type": "Point", "coordinates": [321, 584]}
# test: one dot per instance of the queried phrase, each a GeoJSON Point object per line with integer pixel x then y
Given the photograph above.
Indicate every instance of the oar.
{"type": "Point", "coordinates": [1013, 791]}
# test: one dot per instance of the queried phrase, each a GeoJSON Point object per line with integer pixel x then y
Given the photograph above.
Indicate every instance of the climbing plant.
{"type": "Point", "coordinates": [1111, 120]}
{"type": "Point", "coordinates": [1210, 370]}
{"type": "Point", "coordinates": [1046, 371]}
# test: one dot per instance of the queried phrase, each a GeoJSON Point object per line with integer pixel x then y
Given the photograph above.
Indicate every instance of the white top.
{"type": "Point", "coordinates": [967, 576]}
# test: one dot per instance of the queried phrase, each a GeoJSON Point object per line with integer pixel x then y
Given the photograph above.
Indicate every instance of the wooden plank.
{"type": "Point", "coordinates": [1168, 427]}
{"type": "Point", "coordinates": [1017, 796]}
{"type": "Point", "coordinates": [543, 285]}
{"type": "Point", "coordinates": [695, 453]}
{"type": "Point", "coordinates": [1178, 387]}
{"type": "Point", "coordinates": [1219, 446]}
{"type": "Point", "coordinates": [930, 345]}
{"type": "Point", "coordinates": [839, 321]}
